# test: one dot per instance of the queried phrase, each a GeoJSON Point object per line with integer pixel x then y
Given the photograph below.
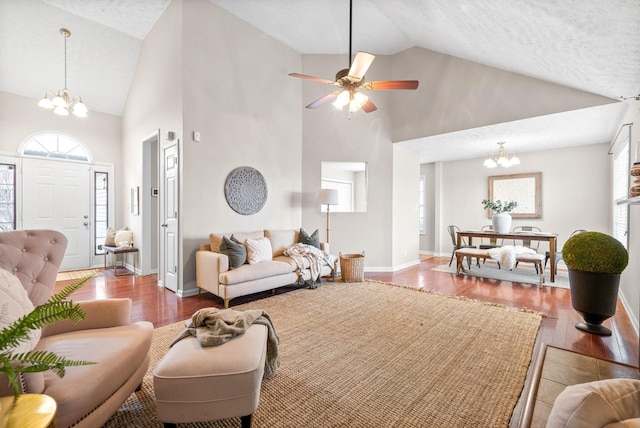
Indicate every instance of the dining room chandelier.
{"type": "Point", "coordinates": [62, 101]}
{"type": "Point", "coordinates": [501, 159]}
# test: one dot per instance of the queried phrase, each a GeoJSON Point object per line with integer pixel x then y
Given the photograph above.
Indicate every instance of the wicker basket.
{"type": "Point", "coordinates": [352, 267]}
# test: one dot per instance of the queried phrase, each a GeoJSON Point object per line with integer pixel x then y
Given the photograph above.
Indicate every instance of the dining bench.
{"type": "Point", "coordinates": [536, 259]}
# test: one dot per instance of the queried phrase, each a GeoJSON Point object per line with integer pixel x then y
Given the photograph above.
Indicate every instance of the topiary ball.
{"type": "Point", "coordinates": [595, 252]}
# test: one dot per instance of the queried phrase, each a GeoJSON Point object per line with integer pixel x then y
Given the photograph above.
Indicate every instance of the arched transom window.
{"type": "Point", "coordinates": [56, 146]}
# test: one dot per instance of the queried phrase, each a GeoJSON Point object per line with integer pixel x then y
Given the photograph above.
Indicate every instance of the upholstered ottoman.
{"type": "Point", "coordinates": [197, 384]}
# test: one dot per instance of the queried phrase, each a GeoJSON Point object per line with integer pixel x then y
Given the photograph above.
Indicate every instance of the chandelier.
{"type": "Point", "coordinates": [502, 160]}
{"type": "Point", "coordinates": [62, 101]}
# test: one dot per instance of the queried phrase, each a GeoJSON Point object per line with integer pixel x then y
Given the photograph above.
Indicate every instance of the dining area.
{"type": "Point", "coordinates": [509, 249]}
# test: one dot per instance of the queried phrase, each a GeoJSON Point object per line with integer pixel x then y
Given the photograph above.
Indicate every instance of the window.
{"type": "Point", "coordinates": [421, 204]}
{"type": "Point", "coordinates": [101, 209]}
{"type": "Point", "coordinates": [56, 146]}
{"type": "Point", "coordinates": [621, 191]}
{"type": "Point", "coordinates": [7, 197]}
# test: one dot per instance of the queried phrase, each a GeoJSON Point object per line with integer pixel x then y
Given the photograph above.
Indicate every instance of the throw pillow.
{"type": "Point", "coordinates": [258, 250]}
{"type": "Point", "coordinates": [313, 239]}
{"type": "Point", "coordinates": [235, 250]}
{"type": "Point", "coordinates": [110, 239]}
{"type": "Point", "coordinates": [123, 238]}
{"type": "Point", "coordinates": [15, 304]}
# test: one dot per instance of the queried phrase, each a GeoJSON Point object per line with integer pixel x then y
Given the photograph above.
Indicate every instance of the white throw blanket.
{"type": "Point", "coordinates": [316, 257]}
{"type": "Point", "coordinates": [506, 255]}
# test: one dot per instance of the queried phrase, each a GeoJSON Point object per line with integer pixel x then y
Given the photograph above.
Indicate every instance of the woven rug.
{"type": "Point", "coordinates": [77, 274]}
{"type": "Point", "coordinates": [370, 354]}
{"type": "Point", "coordinates": [526, 275]}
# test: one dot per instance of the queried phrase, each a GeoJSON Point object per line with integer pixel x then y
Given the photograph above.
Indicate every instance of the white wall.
{"type": "Point", "coordinates": [202, 69]}
{"type": "Point", "coordinates": [404, 237]}
{"type": "Point", "coordinates": [21, 117]}
{"type": "Point", "coordinates": [456, 94]}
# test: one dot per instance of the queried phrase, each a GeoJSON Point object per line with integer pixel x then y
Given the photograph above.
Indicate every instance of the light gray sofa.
{"type": "Point", "coordinates": [214, 275]}
{"type": "Point", "coordinates": [88, 395]}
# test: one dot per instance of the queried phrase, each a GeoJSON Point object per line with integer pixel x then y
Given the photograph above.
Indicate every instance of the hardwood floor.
{"type": "Point", "coordinates": [162, 307]}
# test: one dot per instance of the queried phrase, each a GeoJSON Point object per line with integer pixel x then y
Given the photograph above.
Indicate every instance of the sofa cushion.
{"type": "Point", "coordinates": [258, 250]}
{"type": "Point", "coordinates": [118, 352]}
{"type": "Point", "coordinates": [281, 239]}
{"type": "Point", "coordinates": [216, 238]}
{"type": "Point", "coordinates": [236, 251]}
{"type": "Point", "coordinates": [251, 272]}
{"type": "Point", "coordinates": [15, 303]}
{"type": "Point", "coordinates": [313, 239]}
{"type": "Point", "coordinates": [596, 404]}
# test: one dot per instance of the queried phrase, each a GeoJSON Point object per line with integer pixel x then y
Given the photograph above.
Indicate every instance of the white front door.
{"type": "Point", "coordinates": [57, 195]}
{"type": "Point", "coordinates": [169, 196]}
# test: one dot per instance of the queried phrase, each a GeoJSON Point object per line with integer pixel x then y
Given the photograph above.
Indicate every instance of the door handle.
{"type": "Point", "coordinates": [86, 223]}
{"type": "Point", "coordinates": [164, 225]}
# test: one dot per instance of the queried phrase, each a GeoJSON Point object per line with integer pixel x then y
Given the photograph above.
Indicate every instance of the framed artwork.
{"type": "Point", "coordinates": [135, 200]}
{"type": "Point", "coordinates": [525, 189]}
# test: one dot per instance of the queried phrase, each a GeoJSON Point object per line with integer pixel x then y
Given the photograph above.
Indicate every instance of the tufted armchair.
{"type": "Point", "coordinates": [87, 395]}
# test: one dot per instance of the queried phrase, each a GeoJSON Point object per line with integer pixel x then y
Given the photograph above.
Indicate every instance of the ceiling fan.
{"type": "Point", "coordinates": [351, 79]}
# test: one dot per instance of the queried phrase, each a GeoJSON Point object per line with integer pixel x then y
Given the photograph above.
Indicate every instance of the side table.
{"type": "Point", "coordinates": [28, 410]}
{"type": "Point", "coordinates": [115, 251]}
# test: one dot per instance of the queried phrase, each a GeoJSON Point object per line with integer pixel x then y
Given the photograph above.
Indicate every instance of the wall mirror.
{"type": "Point", "coordinates": [522, 188]}
{"type": "Point", "coordinates": [350, 179]}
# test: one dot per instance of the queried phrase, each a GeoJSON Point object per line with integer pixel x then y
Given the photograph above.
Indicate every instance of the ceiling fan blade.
{"type": "Point", "coordinates": [323, 100]}
{"type": "Point", "coordinates": [361, 64]}
{"type": "Point", "coordinates": [317, 79]}
{"type": "Point", "coordinates": [391, 84]}
{"type": "Point", "coordinates": [369, 106]}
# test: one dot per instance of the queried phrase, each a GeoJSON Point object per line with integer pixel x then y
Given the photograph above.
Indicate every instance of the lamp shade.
{"type": "Point", "coordinates": [329, 196]}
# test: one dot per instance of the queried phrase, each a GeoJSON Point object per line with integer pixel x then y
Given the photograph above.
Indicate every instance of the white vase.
{"type": "Point", "coordinates": [501, 222]}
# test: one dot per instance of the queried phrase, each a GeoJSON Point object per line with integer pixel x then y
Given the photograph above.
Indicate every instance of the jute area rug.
{"type": "Point", "coordinates": [78, 274]}
{"type": "Point", "coordinates": [526, 275]}
{"type": "Point", "coordinates": [370, 354]}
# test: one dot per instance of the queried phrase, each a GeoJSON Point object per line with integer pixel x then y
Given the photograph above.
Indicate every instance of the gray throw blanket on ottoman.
{"type": "Point", "coordinates": [212, 326]}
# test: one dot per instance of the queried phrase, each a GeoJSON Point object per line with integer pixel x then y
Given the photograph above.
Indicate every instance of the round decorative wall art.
{"type": "Point", "coordinates": [245, 190]}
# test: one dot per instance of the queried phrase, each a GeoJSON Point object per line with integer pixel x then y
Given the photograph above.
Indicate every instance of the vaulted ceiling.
{"type": "Point", "coordinates": [589, 45]}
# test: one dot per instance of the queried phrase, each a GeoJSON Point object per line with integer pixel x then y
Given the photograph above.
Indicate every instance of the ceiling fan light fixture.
{"type": "Point", "coordinates": [357, 101]}
{"type": "Point", "coordinates": [342, 100]}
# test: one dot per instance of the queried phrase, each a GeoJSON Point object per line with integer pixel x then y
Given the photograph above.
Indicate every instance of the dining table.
{"type": "Point", "coordinates": [552, 238]}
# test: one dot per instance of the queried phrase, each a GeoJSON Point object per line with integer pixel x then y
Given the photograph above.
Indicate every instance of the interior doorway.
{"type": "Point", "coordinates": [149, 258]}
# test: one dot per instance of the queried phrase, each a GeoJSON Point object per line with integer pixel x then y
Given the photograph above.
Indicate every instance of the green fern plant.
{"type": "Point", "coordinates": [57, 308]}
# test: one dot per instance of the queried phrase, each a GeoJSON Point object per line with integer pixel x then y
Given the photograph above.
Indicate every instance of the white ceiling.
{"type": "Point", "coordinates": [591, 45]}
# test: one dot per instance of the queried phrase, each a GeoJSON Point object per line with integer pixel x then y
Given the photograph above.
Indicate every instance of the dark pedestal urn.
{"type": "Point", "coordinates": [594, 296]}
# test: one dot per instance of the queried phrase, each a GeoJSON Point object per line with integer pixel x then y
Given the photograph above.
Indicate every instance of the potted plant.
{"type": "Point", "coordinates": [12, 364]}
{"type": "Point", "coordinates": [595, 261]}
{"type": "Point", "coordinates": [501, 219]}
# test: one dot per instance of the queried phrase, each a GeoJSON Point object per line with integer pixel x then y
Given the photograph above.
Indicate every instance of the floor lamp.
{"type": "Point", "coordinates": [328, 197]}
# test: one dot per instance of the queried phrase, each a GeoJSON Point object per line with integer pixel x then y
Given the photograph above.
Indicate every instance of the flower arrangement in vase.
{"type": "Point", "coordinates": [501, 219]}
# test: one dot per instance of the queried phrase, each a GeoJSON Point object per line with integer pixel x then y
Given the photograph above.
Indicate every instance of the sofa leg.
{"type": "Point", "coordinates": [246, 421]}
{"type": "Point", "coordinates": [226, 303]}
